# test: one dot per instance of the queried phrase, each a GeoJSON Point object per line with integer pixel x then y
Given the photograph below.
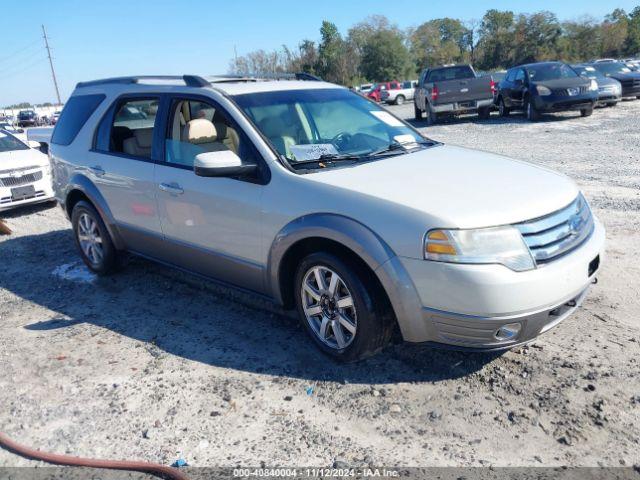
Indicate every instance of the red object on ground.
{"type": "Point", "coordinates": [146, 467]}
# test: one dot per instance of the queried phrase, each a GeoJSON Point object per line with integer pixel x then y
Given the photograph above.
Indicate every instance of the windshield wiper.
{"type": "Point", "coordinates": [328, 159]}
{"type": "Point", "coordinates": [395, 146]}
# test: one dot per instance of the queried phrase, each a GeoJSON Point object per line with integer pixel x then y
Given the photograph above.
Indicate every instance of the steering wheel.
{"type": "Point", "coordinates": [341, 140]}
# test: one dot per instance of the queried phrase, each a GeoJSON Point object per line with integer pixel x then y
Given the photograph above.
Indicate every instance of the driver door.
{"type": "Point", "coordinates": [212, 224]}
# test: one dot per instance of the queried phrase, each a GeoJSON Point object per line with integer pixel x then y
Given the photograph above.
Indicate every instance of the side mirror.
{"type": "Point", "coordinates": [223, 163]}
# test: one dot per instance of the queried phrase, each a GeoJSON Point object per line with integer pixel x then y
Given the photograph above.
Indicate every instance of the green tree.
{"type": "Point", "coordinates": [633, 33]}
{"type": "Point", "coordinates": [537, 37]}
{"type": "Point", "coordinates": [496, 39]}
{"type": "Point", "coordinates": [333, 55]}
{"type": "Point", "coordinates": [614, 33]}
{"type": "Point", "coordinates": [580, 40]}
{"type": "Point", "coordinates": [438, 41]}
{"type": "Point", "coordinates": [386, 57]}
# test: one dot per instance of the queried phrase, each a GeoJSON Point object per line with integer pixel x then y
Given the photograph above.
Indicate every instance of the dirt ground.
{"type": "Point", "coordinates": [152, 364]}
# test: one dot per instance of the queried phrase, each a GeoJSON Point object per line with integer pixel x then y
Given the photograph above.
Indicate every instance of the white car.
{"type": "Point", "coordinates": [25, 173]}
{"type": "Point", "coordinates": [321, 200]}
{"type": "Point", "coordinates": [401, 95]}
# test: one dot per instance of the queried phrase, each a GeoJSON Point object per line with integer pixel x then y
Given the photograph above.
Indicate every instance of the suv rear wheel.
{"type": "Point", "coordinates": [93, 240]}
{"type": "Point", "coordinates": [340, 307]}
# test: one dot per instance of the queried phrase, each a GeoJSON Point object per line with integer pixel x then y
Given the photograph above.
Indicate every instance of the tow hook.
{"type": "Point", "coordinates": [594, 281]}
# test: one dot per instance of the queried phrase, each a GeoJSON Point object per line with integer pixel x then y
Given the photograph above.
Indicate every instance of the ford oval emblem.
{"type": "Point", "coordinates": [575, 222]}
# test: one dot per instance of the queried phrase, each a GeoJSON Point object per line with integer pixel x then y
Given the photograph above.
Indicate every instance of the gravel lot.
{"type": "Point", "coordinates": [152, 364]}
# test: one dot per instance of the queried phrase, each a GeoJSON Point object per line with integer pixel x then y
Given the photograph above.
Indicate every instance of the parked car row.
{"type": "Point", "coordinates": [393, 92]}
{"type": "Point", "coordinates": [534, 88]}
{"type": "Point", "coordinates": [29, 118]}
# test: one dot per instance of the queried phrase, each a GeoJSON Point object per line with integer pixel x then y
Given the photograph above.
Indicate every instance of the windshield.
{"type": "Point", "coordinates": [550, 71]}
{"type": "Point", "coordinates": [612, 67]}
{"type": "Point", "coordinates": [313, 124]}
{"type": "Point", "coordinates": [589, 72]}
{"type": "Point", "coordinates": [9, 143]}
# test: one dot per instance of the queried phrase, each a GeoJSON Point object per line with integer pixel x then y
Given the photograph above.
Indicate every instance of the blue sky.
{"type": "Point", "coordinates": [93, 39]}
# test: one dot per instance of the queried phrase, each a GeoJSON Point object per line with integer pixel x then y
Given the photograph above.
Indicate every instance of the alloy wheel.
{"type": "Point", "coordinates": [329, 307]}
{"type": "Point", "coordinates": [90, 239]}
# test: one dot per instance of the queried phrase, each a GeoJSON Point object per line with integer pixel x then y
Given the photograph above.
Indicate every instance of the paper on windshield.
{"type": "Point", "coordinates": [406, 140]}
{"type": "Point", "coordinates": [387, 118]}
{"type": "Point", "coordinates": [2, 135]}
{"type": "Point", "coordinates": [312, 151]}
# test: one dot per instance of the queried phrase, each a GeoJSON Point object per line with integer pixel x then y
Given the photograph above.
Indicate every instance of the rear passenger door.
{"type": "Point", "coordinates": [121, 165]}
{"type": "Point", "coordinates": [212, 225]}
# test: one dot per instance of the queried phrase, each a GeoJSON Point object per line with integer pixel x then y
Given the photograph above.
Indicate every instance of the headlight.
{"type": "Point", "coordinates": [543, 91]}
{"type": "Point", "coordinates": [502, 245]}
{"type": "Point", "coordinates": [594, 86]}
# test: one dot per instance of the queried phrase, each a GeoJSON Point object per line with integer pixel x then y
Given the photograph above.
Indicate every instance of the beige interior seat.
{"type": "Point", "coordinates": [281, 133]}
{"type": "Point", "coordinates": [228, 136]}
{"type": "Point", "coordinates": [140, 143]}
{"type": "Point", "coordinates": [203, 133]}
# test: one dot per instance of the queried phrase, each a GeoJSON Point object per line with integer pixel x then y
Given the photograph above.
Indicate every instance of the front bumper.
{"type": "Point", "coordinates": [608, 97]}
{"type": "Point", "coordinates": [558, 103]}
{"type": "Point", "coordinates": [43, 193]}
{"type": "Point", "coordinates": [464, 305]}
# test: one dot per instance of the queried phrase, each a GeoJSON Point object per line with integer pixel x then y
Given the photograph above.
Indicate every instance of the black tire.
{"type": "Point", "coordinates": [400, 100]}
{"type": "Point", "coordinates": [586, 112]}
{"type": "Point", "coordinates": [110, 258]}
{"type": "Point", "coordinates": [374, 319]}
{"type": "Point", "coordinates": [417, 112]}
{"type": "Point", "coordinates": [432, 117]}
{"type": "Point", "coordinates": [530, 110]}
{"type": "Point", "coordinates": [612, 104]}
{"type": "Point", "coordinates": [638, 97]}
{"type": "Point", "coordinates": [484, 113]}
{"type": "Point", "coordinates": [503, 110]}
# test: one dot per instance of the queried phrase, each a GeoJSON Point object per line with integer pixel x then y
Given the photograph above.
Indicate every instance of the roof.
{"type": "Point", "coordinates": [239, 88]}
{"type": "Point", "coordinates": [231, 85]}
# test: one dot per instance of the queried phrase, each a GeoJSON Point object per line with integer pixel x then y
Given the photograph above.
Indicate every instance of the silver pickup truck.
{"type": "Point", "coordinates": [452, 90]}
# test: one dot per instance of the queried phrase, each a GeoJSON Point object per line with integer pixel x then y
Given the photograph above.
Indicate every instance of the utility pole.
{"type": "Point", "coordinates": [53, 72]}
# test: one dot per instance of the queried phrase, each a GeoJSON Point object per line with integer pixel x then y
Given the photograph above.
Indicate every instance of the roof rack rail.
{"type": "Point", "coordinates": [255, 77]}
{"type": "Point", "coordinates": [189, 80]}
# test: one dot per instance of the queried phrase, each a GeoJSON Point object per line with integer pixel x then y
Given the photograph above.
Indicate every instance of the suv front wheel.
{"type": "Point", "coordinates": [341, 308]}
{"type": "Point", "coordinates": [93, 240]}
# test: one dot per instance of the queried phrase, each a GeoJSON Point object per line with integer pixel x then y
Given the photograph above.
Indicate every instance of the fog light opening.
{"type": "Point", "coordinates": [508, 331]}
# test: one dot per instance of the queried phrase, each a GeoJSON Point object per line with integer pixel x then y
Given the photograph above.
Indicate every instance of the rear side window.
{"type": "Point", "coordinates": [132, 128]}
{"type": "Point", "coordinates": [74, 115]}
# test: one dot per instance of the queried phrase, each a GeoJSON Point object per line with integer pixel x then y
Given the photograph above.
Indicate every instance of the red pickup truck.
{"type": "Point", "coordinates": [376, 92]}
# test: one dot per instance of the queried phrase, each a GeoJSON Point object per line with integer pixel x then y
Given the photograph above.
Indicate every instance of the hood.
{"type": "Point", "coordinates": [457, 187]}
{"type": "Point", "coordinates": [625, 76]}
{"type": "Point", "coordinates": [564, 82]}
{"type": "Point", "coordinates": [16, 159]}
{"type": "Point", "coordinates": [602, 81]}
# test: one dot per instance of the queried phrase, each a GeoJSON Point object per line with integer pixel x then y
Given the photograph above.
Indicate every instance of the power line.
{"type": "Point", "coordinates": [24, 69]}
{"type": "Point", "coordinates": [53, 72]}
{"type": "Point", "coordinates": [19, 51]}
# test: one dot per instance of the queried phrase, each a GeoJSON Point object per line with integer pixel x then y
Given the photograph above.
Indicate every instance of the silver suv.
{"type": "Point", "coordinates": [321, 200]}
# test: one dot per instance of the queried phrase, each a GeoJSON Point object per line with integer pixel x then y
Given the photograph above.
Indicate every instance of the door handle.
{"type": "Point", "coordinates": [97, 170]}
{"type": "Point", "coordinates": [174, 189]}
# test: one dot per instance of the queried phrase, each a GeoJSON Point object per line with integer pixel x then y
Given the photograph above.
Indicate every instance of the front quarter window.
{"type": "Point", "coordinates": [324, 124]}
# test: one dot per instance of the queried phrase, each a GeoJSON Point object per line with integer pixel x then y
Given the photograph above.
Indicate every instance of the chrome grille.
{"type": "Point", "coordinates": [21, 180]}
{"type": "Point", "coordinates": [558, 233]}
{"type": "Point", "coordinates": [564, 92]}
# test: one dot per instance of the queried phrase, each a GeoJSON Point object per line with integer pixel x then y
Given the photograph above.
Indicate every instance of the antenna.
{"type": "Point", "coordinates": [53, 72]}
